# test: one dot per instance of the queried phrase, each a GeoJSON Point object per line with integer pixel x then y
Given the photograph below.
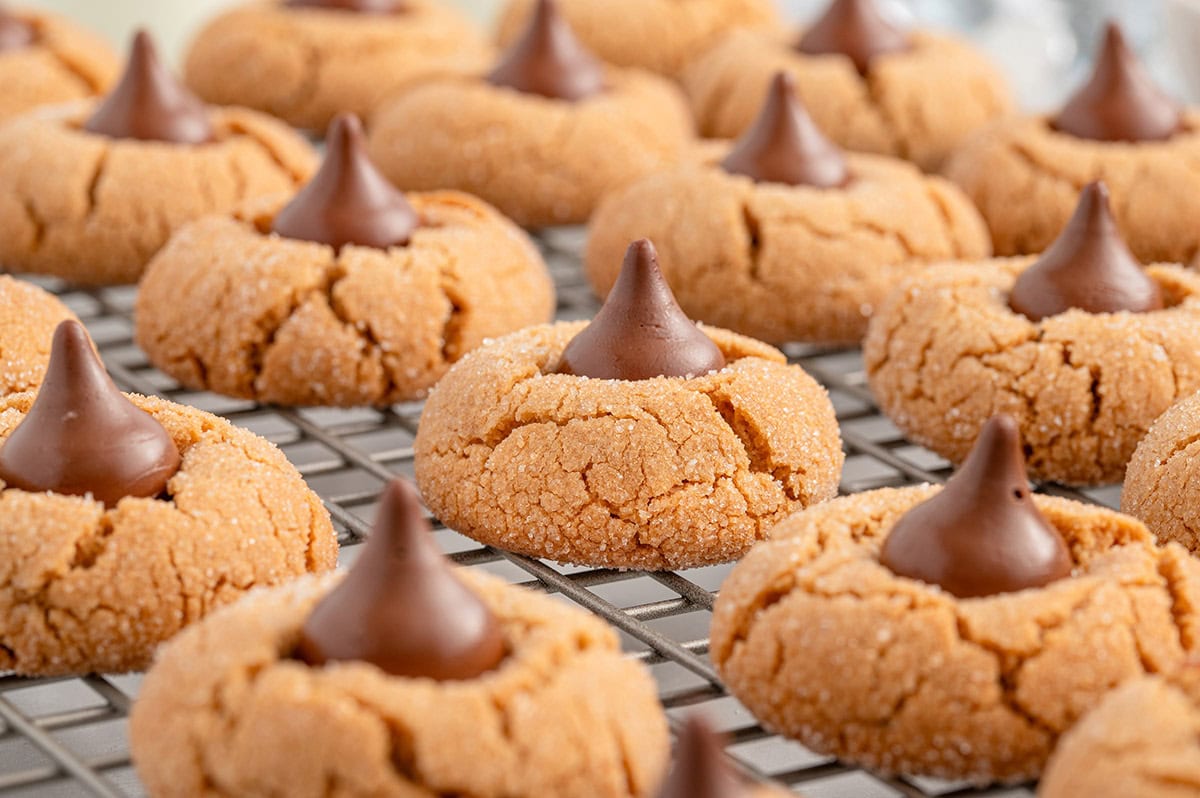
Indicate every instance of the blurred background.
{"type": "Point", "coordinates": [1043, 45]}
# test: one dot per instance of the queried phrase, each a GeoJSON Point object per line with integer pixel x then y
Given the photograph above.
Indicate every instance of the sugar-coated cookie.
{"type": "Point", "coordinates": [659, 35]}
{"type": "Point", "coordinates": [304, 63]}
{"type": "Point", "coordinates": [1161, 480]}
{"type": "Point", "coordinates": [915, 95]}
{"type": "Point", "coordinates": [28, 316]}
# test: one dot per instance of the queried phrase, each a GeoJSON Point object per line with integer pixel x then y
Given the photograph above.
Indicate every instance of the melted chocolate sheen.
{"type": "Point", "coordinates": [359, 6]}
{"type": "Point", "coordinates": [150, 104]}
{"type": "Point", "coordinates": [348, 201]}
{"type": "Point", "coordinates": [402, 607]}
{"type": "Point", "coordinates": [982, 535]}
{"type": "Point", "coordinates": [855, 29]}
{"type": "Point", "coordinates": [1087, 267]}
{"type": "Point", "coordinates": [640, 332]}
{"type": "Point", "coordinates": [15, 33]}
{"type": "Point", "coordinates": [1120, 101]}
{"type": "Point", "coordinates": [784, 145]}
{"type": "Point", "coordinates": [82, 436]}
{"type": "Point", "coordinates": [547, 59]}
{"type": "Point", "coordinates": [700, 769]}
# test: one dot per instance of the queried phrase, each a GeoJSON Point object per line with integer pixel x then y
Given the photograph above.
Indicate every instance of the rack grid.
{"type": "Point", "coordinates": [67, 737]}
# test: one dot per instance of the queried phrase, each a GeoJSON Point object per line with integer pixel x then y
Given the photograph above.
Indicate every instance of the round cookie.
{"type": "Point", "coordinates": [658, 35]}
{"type": "Point", "coordinates": [304, 65]}
{"type": "Point", "coordinates": [93, 208]}
{"type": "Point", "coordinates": [824, 643]}
{"type": "Point", "coordinates": [918, 102]}
{"type": "Point", "coordinates": [60, 63]}
{"type": "Point", "coordinates": [109, 546]}
{"type": "Point", "coordinates": [1141, 739]}
{"type": "Point", "coordinates": [784, 262]}
{"type": "Point", "coordinates": [28, 316]}
{"type": "Point", "coordinates": [527, 148]}
{"type": "Point", "coordinates": [232, 307]}
{"type": "Point", "coordinates": [1160, 478]}
{"type": "Point", "coordinates": [519, 451]}
{"type": "Point", "coordinates": [226, 711]}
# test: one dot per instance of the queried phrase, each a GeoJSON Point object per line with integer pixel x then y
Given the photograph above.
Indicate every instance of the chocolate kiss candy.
{"type": "Point", "coordinates": [700, 769]}
{"type": "Point", "coordinates": [402, 608]}
{"type": "Point", "coordinates": [548, 60]}
{"type": "Point", "coordinates": [981, 535]}
{"type": "Point", "coordinates": [83, 436]}
{"type": "Point", "coordinates": [785, 146]}
{"type": "Point", "coordinates": [1120, 101]}
{"type": "Point", "coordinates": [640, 332]}
{"type": "Point", "coordinates": [1087, 267]}
{"type": "Point", "coordinates": [856, 29]}
{"type": "Point", "coordinates": [15, 32]}
{"type": "Point", "coordinates": [361, 6]}
{"type": "Point", "coordinates": [150, 104]}
{"type": "Point", "coordinates": [348, 201]}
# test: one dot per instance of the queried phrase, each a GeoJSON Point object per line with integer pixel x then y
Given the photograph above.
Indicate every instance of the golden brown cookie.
{"type": "Point", "coordinates": [63, 62]}
{"type": "Point", "coordinates": [532, 157]}
{"type": "Point", "coordinates": [1161, 477]}
{"type": "Point", "coordinates": [786, 263]}
{"type": "Point", "coordinates": [825, 644]}
{"type": "Point", "coordinates": [945, 352]}
{"type": "Point", "coordinates": [228, 307]}
{"type": "Point", "coordinates": [227, 712]}
{"type": "Point", "coordinates": [304, 65]}
{"type": "Point", "coordinates": [659, 35]}
{"type": "Point", "coordinates": [86, 589]}
{"type": "Point", "coordinates": [668, 472]}
{"type": "Point", "coordinates": [1142, 739]}
{"type": "Point", "coordinates": [28, 316]}
{"type": "Point", "coordinates": [919, 104]}
{"type": "Point", "coordinates": [1025, 177]}
{"type": "Point", "coordinates": [94, 210]}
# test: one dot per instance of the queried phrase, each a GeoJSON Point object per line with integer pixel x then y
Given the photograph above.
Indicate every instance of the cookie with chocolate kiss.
{"type": "Point", "coordinates": [781, 235]}
{"type": "Point", "coordinates": [870, 87]}
{"type": "Point", "coordinates": [858, 622]}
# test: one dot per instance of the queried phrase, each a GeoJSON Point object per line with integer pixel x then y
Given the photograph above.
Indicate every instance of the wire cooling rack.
{"type": "Point", "coordinates": [67, 737]}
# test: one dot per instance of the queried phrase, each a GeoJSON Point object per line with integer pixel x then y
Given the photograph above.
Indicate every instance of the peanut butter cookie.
{"type": "Point", "coordinates": [659, 35]}
{"type": "Point", "coordinates": [1161, 478]}
{"type": "Point", "coordinates": [47, 59]}
{"type": "Point", "coordinates": [28, 316]}
{"type": "Point", "coordinates": [304, 64]}
{"type": "Point", "coordinates": [1141, 739]}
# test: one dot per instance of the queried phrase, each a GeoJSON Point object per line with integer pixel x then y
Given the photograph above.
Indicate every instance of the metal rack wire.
{"type": "Point", "coordinates": [67, 737]}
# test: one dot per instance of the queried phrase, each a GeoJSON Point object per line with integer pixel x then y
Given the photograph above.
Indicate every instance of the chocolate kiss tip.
{"type": "Point", "coordinates": [640, 332]}
{"type": "Point", "coordinates": [700, 769]}
{"type": "Point", "coordinates": [15, 33]}
{"type": "Point", "coordinates": [348, 201]}
{"type": "Point", "coordinates": [982, 535]}
{"type": "Point", "coordinates": [1120, 101]}
{"type": "Point", "coordinates": [359, 6]}
{"type": "Point", "coordinates": [83, 436]}
{"type": "Point", "coordinates": [784, 145]}
{"type": "Point", "coordinates": [402, 607]}
{"type": "Point", "coordinates": [855, 29]}
{"type": "Point", "coordinates": [548, 59]}
{"type": "Point", "coordinates": [150, 104]}
{"type": "Point", "coordinates": [1087, 267]}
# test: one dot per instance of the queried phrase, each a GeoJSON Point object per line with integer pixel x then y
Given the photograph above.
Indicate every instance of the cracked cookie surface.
{"type": "Point", "coordinates": [94, 210]}
{"type": "Point", "coordinates": [918, 105]}
{"type": "Point", "coordinates": [1025, 178]}
{"type": "Point", "coordinates": [28, 318]}
{"type": "Point", "coordinates": [1143, 739]}
{"type": "Point", "coordinates": [63, 63]}
{"type": "Point", "coordinates": [652, 474]}
{"type": "Point", "coordinates": [533, 158]}
{"type": "Point", "coordinates": [786, 263]}
{"type": "Point", "coordinates": [230, 308]}
{"type": "Point", "coordinates": [945, 353]}
{"type": "Point", "coordinates": [226, 712]}
{"type": "Point", "coordinates": [662, 36]}
{"type": "Point", "coordinates": [825, 644]}
{"type": "Point", "coordinates": [306, 65]}
{"type": "Point", "coordinates": [86, 589]}
{"type": "Point", "coordinates": [1160, 483]}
